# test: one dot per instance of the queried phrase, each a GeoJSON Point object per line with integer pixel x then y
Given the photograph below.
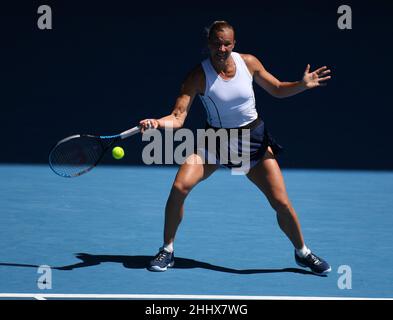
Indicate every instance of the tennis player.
{"type": "Point", "coordinates": [224, 83]}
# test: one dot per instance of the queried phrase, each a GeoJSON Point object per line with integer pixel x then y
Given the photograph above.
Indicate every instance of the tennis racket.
{"type": "Point", "coordinates": [78, 154]}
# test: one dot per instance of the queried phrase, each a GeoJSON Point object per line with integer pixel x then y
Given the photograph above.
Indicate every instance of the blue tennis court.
{"type": "Point", "coordinates": [98, 232]}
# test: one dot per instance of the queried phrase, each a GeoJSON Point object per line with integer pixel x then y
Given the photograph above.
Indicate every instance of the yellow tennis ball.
{"type": "Point", "coordinates": [117, 153]}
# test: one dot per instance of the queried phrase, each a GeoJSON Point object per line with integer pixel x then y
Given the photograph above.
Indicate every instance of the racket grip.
{"type": "Point", "coordinates": [130, 132]}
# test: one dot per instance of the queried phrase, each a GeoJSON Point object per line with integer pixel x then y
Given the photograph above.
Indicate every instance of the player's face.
{"type": "Point", "coordinates": [221, 44]}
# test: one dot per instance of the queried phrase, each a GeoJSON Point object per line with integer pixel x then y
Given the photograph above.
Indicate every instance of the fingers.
{"type": "Point", "coordinates": [320, 82]}
{"type": "Point", "coordinates": [307, 68]}
{"type": "Point", "coordinates": [324, 73]}
{"type": "Point", "coordinates": [148, 124]}
{"type": "Point", "coordinates": [324, 78]}
{"type": "Point", "coordinates": [318, 71]}
{"type": "Point", "coordinates": [145, 125]}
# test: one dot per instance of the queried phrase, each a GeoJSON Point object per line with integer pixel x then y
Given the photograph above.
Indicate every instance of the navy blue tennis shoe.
{"type": "Point", "coordinates": [162, 261]}
{"type": "Point", "coordinates": [315, 263]}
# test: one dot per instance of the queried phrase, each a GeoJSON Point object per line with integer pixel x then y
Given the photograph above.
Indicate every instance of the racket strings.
{"type": "Point", "coordinates": [77, 155]}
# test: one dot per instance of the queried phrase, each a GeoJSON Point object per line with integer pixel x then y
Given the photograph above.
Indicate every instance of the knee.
{"type": "Point", "coordinates": [281, 205]}
{"type": "Point", "coordinates": [180, 188]}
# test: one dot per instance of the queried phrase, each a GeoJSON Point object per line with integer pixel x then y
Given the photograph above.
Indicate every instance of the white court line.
{"type": "Point", "coordinates": [40, 296]}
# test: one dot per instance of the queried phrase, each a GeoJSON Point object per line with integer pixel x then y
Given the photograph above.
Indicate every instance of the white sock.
{"type": "Point", "coordinates": [303, 252]}
{"type": "Point", "coordinates": [168, 247]}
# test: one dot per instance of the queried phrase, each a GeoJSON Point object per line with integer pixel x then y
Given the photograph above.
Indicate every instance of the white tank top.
{"type": "Point", "coordinates": [229, 103]}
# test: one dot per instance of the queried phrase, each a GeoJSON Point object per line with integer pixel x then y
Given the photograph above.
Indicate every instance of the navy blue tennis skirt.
{"type": "Point", "coordinates": [259, 140]}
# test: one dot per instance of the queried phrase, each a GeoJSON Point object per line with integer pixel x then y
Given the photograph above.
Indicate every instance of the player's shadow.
{"type": "Point", "coordinates": [142, 262]}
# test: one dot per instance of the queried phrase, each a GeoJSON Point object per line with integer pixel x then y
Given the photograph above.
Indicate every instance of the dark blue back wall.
{"type": "Point", "coordinates": [106, 65]}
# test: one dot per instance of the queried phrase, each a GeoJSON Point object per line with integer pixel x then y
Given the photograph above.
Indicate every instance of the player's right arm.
{"type": "Point", "coordinates": [193, 84]}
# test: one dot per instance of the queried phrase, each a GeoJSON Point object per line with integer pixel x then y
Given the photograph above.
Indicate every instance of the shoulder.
{"type": "Point", "coordinates": [196, 73]}
{"type": "Point", "coordinates": [250, 60]}
{"type": "Point", "coordinates": [252, 63]}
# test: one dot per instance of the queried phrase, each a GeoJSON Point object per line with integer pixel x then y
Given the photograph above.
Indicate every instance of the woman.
{"type": "Point", "coordinates": [224, 83]}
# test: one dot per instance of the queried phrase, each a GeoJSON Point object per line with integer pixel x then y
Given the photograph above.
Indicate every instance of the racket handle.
{"type": "Point", "coordinates": [130, 132]}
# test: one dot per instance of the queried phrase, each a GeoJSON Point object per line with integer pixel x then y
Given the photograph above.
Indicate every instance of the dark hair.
{"type": "Point", "coordinates": [218, 26]}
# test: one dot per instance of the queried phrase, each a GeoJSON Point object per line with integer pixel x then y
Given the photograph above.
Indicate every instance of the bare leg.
{"type": "Point", "coordinates": [266, 175]}
{"type": "Point", "coordinates": [188, 176]}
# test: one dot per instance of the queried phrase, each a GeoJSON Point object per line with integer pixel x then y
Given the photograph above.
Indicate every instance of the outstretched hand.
{"type": "Point", "coordinates": [316, 78]}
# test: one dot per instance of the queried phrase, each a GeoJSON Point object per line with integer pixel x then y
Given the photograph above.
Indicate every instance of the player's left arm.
{"type": "Point", "coordinates": [281, 89]}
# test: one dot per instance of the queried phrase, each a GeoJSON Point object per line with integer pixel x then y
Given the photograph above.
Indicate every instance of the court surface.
{"type": "Point", "coordinates": [97, 232]}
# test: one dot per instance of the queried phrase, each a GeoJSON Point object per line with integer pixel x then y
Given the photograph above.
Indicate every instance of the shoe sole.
{"type": "Point", "coordinates": [317, 273]}
{"type": "Point", "coordinates": [159, 269]}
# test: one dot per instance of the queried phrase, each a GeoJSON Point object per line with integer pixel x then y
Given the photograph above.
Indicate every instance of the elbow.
{"type": "Point", "coordinates": [277, 95]}
{"type": "Point", "coordinates": [278, 91]}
